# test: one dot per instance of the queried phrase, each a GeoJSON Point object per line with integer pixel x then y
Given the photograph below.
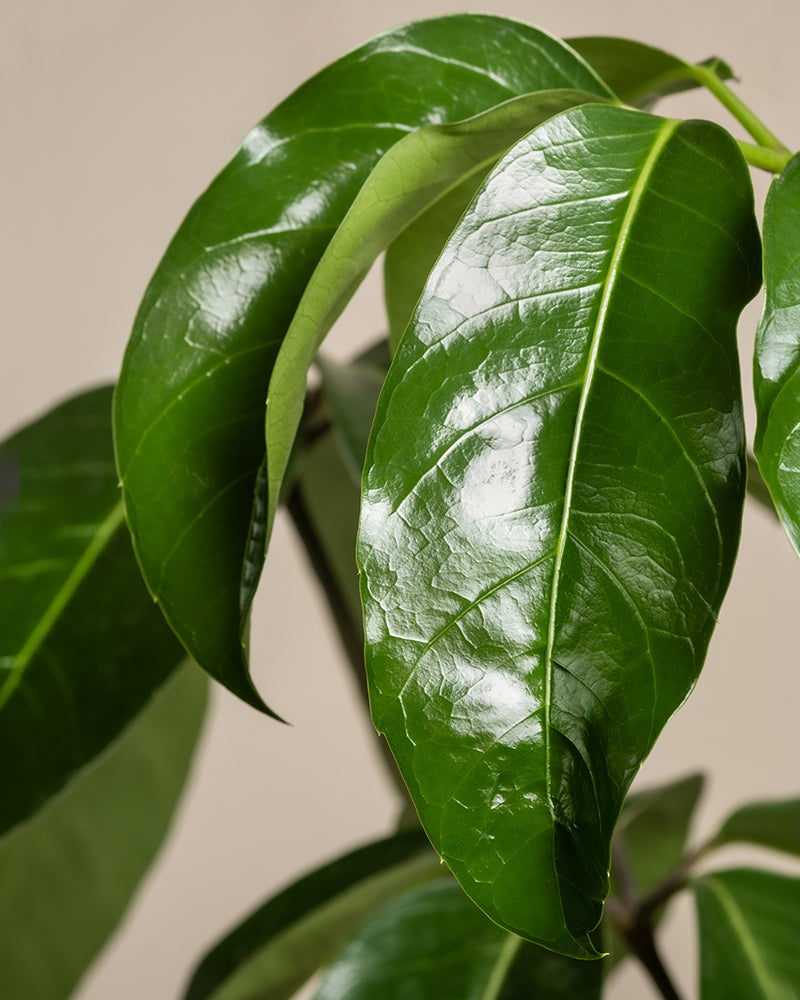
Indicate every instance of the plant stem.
{"type": "Point", "coordinates": [642, 943]}
{"type": "Point", "coordinates": [765, 159]}
{"type": "Point", "coordinates": [757, 129]}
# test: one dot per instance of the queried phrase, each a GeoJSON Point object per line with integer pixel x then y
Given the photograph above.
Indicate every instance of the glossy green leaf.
{"type": "Point", "coordinates": [749, 926]}
{"type": "Point", "coordinates": [411, 255]}
{"type": "Point", "coordinates": [552, 499]}
{"type": "Point", "coordinates": [654, 827]}
{"type": "Point", "coordinates": [67, 876]}
{"type": "Point", "coordinates": [640, 74]}
{"type": "Point", "coordinates": [776, 371]}
{"type": "Point", "coordinates": [190, 402]}
{"type": "Point", "coordinates": [433, 942]}
{"type": "Point", "coordinates": [414, 173]}
{"type": "Point", "coordinates": [275, 950]}
{"type": "Point", "coordinates": [769, 824]}
{"type": "Point", "coordinates": [81, 646]}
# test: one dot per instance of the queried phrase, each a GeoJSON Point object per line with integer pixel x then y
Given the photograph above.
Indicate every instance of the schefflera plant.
{"type": "Point", "coordinates": [553, 481]}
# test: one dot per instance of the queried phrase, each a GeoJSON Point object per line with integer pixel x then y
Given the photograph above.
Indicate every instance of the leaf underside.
{"type": "Point", "coordinates": [189, 411]}
{"type": "Point", "coordinates": [552, 499]}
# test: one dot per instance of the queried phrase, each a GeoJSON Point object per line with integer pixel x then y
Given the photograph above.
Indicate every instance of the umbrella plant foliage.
{"type": "Point", "coordinates": [523, 504]}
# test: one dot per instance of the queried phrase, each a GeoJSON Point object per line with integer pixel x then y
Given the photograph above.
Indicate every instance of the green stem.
{"type": "Point", "coordinates": [740, 111]}
{"type": "Point", "coordinates": [763, 158]}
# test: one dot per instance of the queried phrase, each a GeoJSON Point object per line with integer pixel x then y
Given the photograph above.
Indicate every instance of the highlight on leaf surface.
{"type": "Point", "coordinates": [552, 499]}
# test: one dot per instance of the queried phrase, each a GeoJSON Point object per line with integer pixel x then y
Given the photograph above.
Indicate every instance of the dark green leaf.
{"type": "Point", "coordinates": [412, 254]}
{"type": "Point", "coordinates": [552, 499]}
{"type": "Point", "coordinates": [82, 647]}
{"type": "Point", "coordinates": [639, 74]}
{"type": "Point", "coordinates": [67, 876]}
{"type": "Point", "coordinates": [749, 927]}
{"type": "Point", "coordinates": [433, 942]}
{"type": "Point", "coordinates": [283, 942]}
{"type": "Point", "coordinates": [352, 391]}
{"type": "Point", "coordinates": [777, 354]}
{"type": "Point", "coordinates": [190, 402]}
{"type": "Point", "coordinates": [768, 824]}
{"type": "Point", "coordinates": [654, 827]}
{"type": "Point", "coordinates": [415, 172]}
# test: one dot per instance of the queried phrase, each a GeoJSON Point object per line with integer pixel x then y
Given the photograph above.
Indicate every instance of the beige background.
{"type": "Point", "coordinates": [115, 114]}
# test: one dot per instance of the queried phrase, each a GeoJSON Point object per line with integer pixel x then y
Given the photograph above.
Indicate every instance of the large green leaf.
{"type": "Point", "coordinates": [749, 926]}
{"type": "Point", "coordinates": [640, 74]}
{"type": "Point", "coordinates": [67, 876]}
{"type": "Point", "coordinates": [81, 646]}
{"type": "Point", "coordinates": [776, 371]}
{"type": "Point", "coordinates": [190, 401]}
{"type": "Point", "coordinates": [282, 943]}
{"type": "Point", "coordinates": [773, 824]}
{"type": "Point", "coordinates": [433, 942]}
{"type": "Point", "coordinates": [552, 499]}
{"type": "Point", "coordinates": [417, 171]}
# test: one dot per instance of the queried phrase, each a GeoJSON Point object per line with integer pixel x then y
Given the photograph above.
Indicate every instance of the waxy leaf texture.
{"type": "Point", "coordinates": [552, 499]}
{"type": "Point", "coordinates": [190, 403]}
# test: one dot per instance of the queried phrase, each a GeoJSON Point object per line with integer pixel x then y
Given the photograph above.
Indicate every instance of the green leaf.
{"type": "Point", "coordinates": [275, 950]}
{"type": "Point", "coordinates": [654, 827]}
{"type": "Point", "coordinates": [769, 824]}
{"type": "Point", "coordinates": [433, 942]}
{"type": "Point", "coordinates": [414, 173]}
{"type": "Point", "coordinates": [189, 410]}
{"type": "Point", "coordinates": [749, 926]}
{"type": "Point", "coordinates": [81, 646]}
{"type": "Point", "coordinates": [552, 499]}
{"type": "Point", "coordinates": [776, 372]}
{"type": "Point", "coordinates": [639, 74]}
{"type": "Point", "coordinates": [67, 876]}
{"type": "Point", "coordinates": [411, 256]}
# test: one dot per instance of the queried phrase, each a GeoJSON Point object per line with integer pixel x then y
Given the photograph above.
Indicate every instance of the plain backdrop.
{"type": "Point", "coordinates": [115, 115]}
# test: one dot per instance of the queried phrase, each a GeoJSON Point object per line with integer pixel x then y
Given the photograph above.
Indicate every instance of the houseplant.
{"type": "Point", "coordinates": [189, 416]}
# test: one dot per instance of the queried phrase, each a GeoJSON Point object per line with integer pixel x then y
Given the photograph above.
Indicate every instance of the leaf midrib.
{"type": "Point", "coordinates": [81, 569]}
{"type": "Point", "coordinates": [637, 193]}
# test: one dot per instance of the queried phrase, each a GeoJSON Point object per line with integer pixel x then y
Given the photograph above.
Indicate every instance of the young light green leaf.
{"type": "Point", "coordinates": [640, 74]}
{"type": "Point", "coordinates": [189, 412]}
{"type": "Point", "coordinates": [776, 371]}
{"type": "Point", "coordinates": [749, 926]}
{"type": "Point", "coordinates": [413, 174]}
{"type": "Point", "coordinates": [433, 942]}
{"type": "Point", "coordinates": [279, 946]}
{"type": "Point", "coordinates": [82, 647]}
{"type": "Point", "coordinates": [552, 499]}
{"type": "Point", "coordinates": [769, 824]}
{"type": "Point", "coordinates": [67, 876]}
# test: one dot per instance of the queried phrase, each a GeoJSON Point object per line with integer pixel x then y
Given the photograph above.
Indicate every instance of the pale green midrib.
{"type": "Point", "coordinates": [739, 926]}
{"type": "Point", "coordinates": [63, 596]}
{"type": "Point", "coordinates": [505, 958]}
{"type": "Point", "coordinates": [637, 192]}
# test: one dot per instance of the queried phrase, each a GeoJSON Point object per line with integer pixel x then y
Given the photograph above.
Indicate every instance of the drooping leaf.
{"type": "Point", "coordinates": [281, 944]}
{"type": "Point", "coordinates": [82, 647]}
{"type": "Point", "coordinates": [416, 171]}
{"type": "Point", "coordinates": [773, 824]}
{"type": "Point", "coordinates": [67, 876]}
{"type": "Point", "coordinates": [654, 827]}
{"type": "Point", "coordinates": [190, 401]}
{"type": "Point", "coordinates": [776, 372]}
{"type": "Point", "coordinates": [433, 942]}
{"type": "Point", "coordinates": [552, 499]}
{"type": "Point", "coordinates": [411, 255]}
{"type": "Point", "coordinates": [640, 74]}
{"type": "Point", "coordinates": [749, 926]}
